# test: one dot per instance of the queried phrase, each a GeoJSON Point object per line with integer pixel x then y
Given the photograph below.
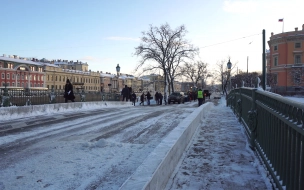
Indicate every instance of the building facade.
{"type": "Point", "coordinates": [21, 72]}
{"type": "Point", "coordinates": [285, 60]}
{"type": "Point", "coordinates": [32, 73]}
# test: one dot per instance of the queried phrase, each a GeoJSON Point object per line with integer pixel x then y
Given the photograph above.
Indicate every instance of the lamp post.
{"type": "Point", "coordinates": [229, 64]}
{"type": "Point", "coordinates": [118, 72]}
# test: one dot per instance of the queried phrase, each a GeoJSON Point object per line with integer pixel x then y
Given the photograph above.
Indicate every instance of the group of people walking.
{"type": "Point", "coordinates": [127, 94]}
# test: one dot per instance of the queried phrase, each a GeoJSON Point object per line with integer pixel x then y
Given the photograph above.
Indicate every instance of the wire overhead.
{"type": "Point", "coordinates": [230, 41]}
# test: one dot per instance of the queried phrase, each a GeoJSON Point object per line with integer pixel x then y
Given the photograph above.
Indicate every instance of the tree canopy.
{"type": "Point", "coordinates": [165, 47]}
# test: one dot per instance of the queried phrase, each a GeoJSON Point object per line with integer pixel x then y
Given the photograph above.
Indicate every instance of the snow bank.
{"type": "Point", "coordinates": [14, 112]}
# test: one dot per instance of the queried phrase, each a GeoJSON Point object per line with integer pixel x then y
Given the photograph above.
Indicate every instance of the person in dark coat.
{"type": "Point", "coordinates": [125, 93]}
{"type": "Point", "coordinates": [142, 99]}
{"type": "Point", "coordinates": [148, 97]}
{"type": "Point", "coordinates": [156, 98]}
{"type": "Point", "coordinates": [133, 98]}
{"type": "Point", "coordinates": [160, 98]}
{"type": "Point", "coordinates": [68, 91]}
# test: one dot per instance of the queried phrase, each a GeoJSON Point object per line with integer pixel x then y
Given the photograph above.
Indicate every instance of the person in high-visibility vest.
{"type": "Point", "coordinates": [200, 97]}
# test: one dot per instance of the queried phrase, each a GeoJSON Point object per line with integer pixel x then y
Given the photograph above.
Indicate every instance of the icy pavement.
{"type": "Point", "coordinates": [219, 157]}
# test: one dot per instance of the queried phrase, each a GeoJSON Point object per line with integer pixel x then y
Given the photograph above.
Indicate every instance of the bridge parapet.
{"type": "Point", "coordinates": [275, 128]}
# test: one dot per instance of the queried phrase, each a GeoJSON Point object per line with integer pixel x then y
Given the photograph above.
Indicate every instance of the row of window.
{"type": "Point", "coordinates": [297, 59]}
{"type": "Point", "coordinates": [32, 68]}
{"type": "Point", "coordinates": [296, 45]}
{"type": "Point", "coordinates": [23, 77]}
{"type": "Point", "coordinates": [61, 87]}
{"type": "Point", "coordinates": [74, 79]}
{"type": "Point", "coordinates": [25, 85]}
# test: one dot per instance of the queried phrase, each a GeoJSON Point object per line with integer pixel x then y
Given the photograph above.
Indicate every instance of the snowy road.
{"type": "Point", "coordinates": [95, 149]}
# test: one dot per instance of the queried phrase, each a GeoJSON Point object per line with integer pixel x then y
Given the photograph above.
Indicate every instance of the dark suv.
{"type": "Point", "coordinates": [176, 97]}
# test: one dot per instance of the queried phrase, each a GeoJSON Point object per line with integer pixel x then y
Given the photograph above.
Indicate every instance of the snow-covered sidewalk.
{"type": "Point", "coordinates": [219, 157]}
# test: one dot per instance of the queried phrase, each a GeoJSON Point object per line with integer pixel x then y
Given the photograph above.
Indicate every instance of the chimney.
{"type": "Point", "coordinates": [4, 55]}
{"type": "Point", "coordinates": [303, 27]}
{"type": "Point", "coordinates": [296, 28]}
{"type": "Point", "coordinates": [271, 33]}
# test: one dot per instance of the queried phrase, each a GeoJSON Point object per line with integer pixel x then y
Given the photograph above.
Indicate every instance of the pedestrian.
{"type": "Point", "coordinates": [68, 91]}
{"type": "Point", "coordinates": [156, 97]}
{"type": "Point", "coordinates": [160, 98]}
{"type": "Point", "coordinates": [125, 93]}
{"type": "Point", "coordinates": [142, 99]}
{"type": "Point", "coordinates": [148, 97]}
{"type": "Point", "coordinates": [200, 97]}
{"type": "Point", "coordinates": [133, 98]}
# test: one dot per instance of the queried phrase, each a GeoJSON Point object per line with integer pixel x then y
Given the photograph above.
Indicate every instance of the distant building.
{"type": "Point", "coordinates": [21, 72]}
{"type": "Point", "coordinates": [285, 59]}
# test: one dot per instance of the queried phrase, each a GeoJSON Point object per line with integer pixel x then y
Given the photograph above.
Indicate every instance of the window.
{"type": "Point", "coordinates": [22, 76]}
{"type": "Point", "coordinates": [8, 76]}
{"type": "Point", "coordinates": [275, 48]}
{"type": "Point", "coordinates": [297, 59]}
{"type": "Point", "coordinates": [13, 76]}
{"type": "Point", "coordinates": [2, 75]}
{"type": "Point", "coordinates": [13, 84]}
{"type": "Point", "coordinates": [275, 61]}
{"type": "Point", "coordinates": [298, 45]}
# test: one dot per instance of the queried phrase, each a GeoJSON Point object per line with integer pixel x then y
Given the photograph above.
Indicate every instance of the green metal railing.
{"type": "Point", "coordinates": [23, 97]}
{"type": "Point", "coordinates": [275, 128]}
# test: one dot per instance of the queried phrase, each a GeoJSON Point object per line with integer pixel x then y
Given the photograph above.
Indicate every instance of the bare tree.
{"type": "Point", "coordinates": [165, 47]}
{"type": "Point", "coordinates": [223, 75]}
{"type": "Point", "coordinates": [297, 74]}
{"type": "Point", "coordinates": [196, 72]}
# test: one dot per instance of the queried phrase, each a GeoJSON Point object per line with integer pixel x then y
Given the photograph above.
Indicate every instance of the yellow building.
{"type": "Point", "coordinates": [57, 72]}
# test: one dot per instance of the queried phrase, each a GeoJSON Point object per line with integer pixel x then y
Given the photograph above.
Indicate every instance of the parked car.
{"type": "Point", "coordinates": [176, 97]}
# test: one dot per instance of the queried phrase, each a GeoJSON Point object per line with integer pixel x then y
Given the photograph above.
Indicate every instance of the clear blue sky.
{"type": "Point", "coordinates": [104, 33]}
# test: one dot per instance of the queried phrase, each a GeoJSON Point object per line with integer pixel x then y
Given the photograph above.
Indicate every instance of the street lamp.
{"type": "Point", "coordinates": [229, 64]}
{"type": "Point", "coordinates": [118, 72]}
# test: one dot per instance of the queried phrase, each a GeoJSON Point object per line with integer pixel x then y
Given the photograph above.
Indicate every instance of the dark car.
{"type": "Point", "coordinates": [207, 93]}
{"type": "Point", "coordinates": [176, 97]}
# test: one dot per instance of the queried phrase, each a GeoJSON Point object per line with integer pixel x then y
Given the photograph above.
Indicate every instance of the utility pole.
{"type": "Point", "coordinates": [247, 72]}
{"type": "Point", "coordinates": [222, 72]}
{"type": "Point", "coordinates": [264, 63]}
{"type": "Point", "coordinates": [247, 65]}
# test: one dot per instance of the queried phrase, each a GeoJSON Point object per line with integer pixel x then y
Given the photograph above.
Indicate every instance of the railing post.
{"type": "Point", "coordinates": [5, 98]}
{"type": "Point", "coordinates": [82, 96]}
{"type": "Point", "coordinates": [252, 119]}
{"type": "Point", "coordinates": [52, 96]}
